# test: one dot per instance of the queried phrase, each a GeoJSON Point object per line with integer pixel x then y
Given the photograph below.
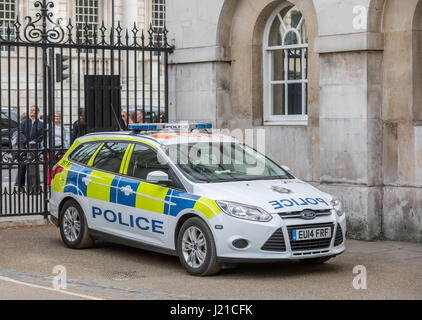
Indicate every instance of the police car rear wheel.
{"type": "Point", "coordinates": [73, 226]}
{"type": "Point", "coordinates": [196, 248]}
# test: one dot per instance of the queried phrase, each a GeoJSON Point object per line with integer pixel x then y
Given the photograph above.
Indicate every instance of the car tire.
{"type": "Point", "coordinates": [320, 260]}
{"type": "Point", "coordinates": [196, 248]}
{"type": "Point", "coordinates": [73, 226]}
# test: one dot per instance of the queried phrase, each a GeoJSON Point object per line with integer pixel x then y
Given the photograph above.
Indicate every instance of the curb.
{"type": "Point", "coordinates": [35, 220]}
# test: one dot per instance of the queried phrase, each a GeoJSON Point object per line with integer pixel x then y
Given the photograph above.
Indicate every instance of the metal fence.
{"type": "Point", "coordinates": [58, 82]}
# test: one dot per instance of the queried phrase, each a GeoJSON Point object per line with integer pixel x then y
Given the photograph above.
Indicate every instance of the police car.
{"type": "Point", "coordinates": [206, 198]}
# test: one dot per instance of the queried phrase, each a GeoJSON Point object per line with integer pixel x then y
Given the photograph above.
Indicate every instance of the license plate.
{"type": "Point", "coordinates": [311, 234]}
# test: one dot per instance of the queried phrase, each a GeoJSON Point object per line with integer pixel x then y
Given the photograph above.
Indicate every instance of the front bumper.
{"type": "Point", "coordinates": [272, 241]}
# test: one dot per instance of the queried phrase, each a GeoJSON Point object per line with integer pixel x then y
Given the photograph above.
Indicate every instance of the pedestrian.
{"type": "Point", "coordinates": [131, 117]}
{"type": "Point", "coordinates": [124, 117]}
{"type": "Point", "coordinates": [31, 137]}
{"type": "Point", "coordinates": [140, 116]}
{"type": "Point", "coordinates": [79, 126]}
{"type": "Point", "coordinates": [61, 142]}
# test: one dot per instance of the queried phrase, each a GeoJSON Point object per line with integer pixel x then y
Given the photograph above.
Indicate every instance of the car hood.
{"type": "Point", "coordinates": [270, 195]}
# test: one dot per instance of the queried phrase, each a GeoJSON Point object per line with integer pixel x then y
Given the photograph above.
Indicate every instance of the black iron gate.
{"type": "Point", "coordinates": [45, 66]}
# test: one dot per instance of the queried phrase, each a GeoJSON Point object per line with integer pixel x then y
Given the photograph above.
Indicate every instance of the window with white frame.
{"type": "Point", "coordinates": [285, 67]}
{"type": "Point", "coordinates": [7, 18]}
{"type": "Point", "coordinates": [158, 14]}
{"type": "Point", "coordinates": [87, 13]}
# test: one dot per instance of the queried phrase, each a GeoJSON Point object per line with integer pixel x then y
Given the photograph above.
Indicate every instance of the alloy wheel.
{"type": "Point", "coordinates": [194, 247]}
{"type": "Point", "coordinates": [71, 224]}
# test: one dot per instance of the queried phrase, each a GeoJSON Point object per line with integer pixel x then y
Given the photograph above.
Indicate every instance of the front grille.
{"type": "Point", "coordinates": [339, 236]}
{"type": "Point", "coordinates": [310, 244]}
{"type": "Point", "coordinates": [275, 242]}
{"type": "Point", "coordinates": [296, 214]}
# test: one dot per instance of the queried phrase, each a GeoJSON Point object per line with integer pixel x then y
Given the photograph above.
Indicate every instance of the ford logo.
{"type": "Point", "coordinates": [308, 215]}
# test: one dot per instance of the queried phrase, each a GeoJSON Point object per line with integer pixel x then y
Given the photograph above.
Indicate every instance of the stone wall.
{"type": "Point", "coordinates": [363, 139]}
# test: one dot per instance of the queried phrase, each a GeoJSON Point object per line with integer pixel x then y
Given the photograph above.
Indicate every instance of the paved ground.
{"type": "Point", "coordinates": [108, 271]}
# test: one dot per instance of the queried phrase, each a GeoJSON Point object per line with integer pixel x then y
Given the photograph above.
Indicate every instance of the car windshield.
{"type": "Point", "coordinates": [223, 162]}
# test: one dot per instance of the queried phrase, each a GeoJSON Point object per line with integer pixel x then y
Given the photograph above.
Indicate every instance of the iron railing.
{"type": "Point", "coordinates": [134, 61]}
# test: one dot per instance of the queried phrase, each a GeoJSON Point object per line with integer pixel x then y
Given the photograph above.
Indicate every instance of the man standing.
{"type": "Point", "coordinates": [79, 126]}
{"type": "Point", "coordinates": [59, 131]}
{"type": "Point", "coordinates": [61, 142]}
{"type": "Point", "coordinates": [31, 136]}
{"type": "Point", "coordinates": [139, 116]}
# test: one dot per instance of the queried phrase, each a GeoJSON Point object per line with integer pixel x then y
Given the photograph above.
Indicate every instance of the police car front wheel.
{"type": "Point", "coordinates": [73, 226]}
{"type": "Point", "coordinates": [196, 248]}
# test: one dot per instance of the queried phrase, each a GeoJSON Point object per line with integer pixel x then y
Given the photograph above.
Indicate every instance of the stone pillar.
{"type": "Point", "coordinates": [195, 66]}
{"type": "Point", "coordinates": [130, 13]}
{"type": "Point", "coordinates": [402, 116]}
{"type": "Point", "coordinates": [130, 16]}
{"type": "Point", "coordinates": [351, 128]}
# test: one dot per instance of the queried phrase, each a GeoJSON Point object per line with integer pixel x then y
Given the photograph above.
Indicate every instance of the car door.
{"type": "Point", "coordinates": [76, 172]}
{"type": "Point", "coordinates": [101, 187]}
{"type": "Point", "coordinates": [144, 206]}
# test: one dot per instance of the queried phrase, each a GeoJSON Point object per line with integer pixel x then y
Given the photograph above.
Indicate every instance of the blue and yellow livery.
{"type": "Point", "coordinates": [126, 187]}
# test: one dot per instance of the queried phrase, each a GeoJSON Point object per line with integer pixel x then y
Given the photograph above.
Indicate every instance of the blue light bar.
{"type": "Point", "coordinates": [174, 126]}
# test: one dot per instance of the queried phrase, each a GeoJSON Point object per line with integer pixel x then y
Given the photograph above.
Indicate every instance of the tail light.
{"type": "Point", "coordinates": [56, 169]}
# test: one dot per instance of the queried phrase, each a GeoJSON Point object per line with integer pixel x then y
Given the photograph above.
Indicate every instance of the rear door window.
{"type": "Point", "coordinates": [110, 157]}
{"type": "Point", "coordinates": [84, 152]}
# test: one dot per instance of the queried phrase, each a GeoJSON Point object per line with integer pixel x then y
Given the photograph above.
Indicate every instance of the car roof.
{"type": "Point", "coordinates": [171, 138]}
{"type": "Point", "coordinates": [161, 137]}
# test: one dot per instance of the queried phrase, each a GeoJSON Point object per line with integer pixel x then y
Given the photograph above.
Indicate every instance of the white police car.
{"type": "Point", "coordinates": [204, 197]}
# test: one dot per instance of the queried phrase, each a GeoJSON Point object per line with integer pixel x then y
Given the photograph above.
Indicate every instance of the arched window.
{"type": "Point", "coordinates": [285, 72]}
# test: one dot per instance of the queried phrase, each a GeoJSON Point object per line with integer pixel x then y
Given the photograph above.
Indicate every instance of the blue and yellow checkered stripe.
{"type": "Point", "coordinates": [105, 187]}
{"type": "Point", "coordinates": [146, 196]}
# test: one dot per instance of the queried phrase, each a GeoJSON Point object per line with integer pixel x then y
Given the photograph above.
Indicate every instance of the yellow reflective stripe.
{"type": "Point", "coordinates": [59, 181]}
{"type": "Point", "coordinates": [91, 161]}
{"type": "Point", "coordinates": [123, 165]}
{"type": "Point", "coordinates": [65, 163]}
{"type": "Point", "coordinates": [132, 139]}
{"type": "Point", "coordinates": [100, 186]}
{"type": "Point", "coordinates": [128, 158]}
{"type": "Point", "coordinates": [72, 147]}
{"type": "Point", "coordinates": [146, 192]}
{"type": "Point", "coordinates": [207, 207]}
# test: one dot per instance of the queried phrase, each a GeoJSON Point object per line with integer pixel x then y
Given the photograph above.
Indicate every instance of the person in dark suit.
{"type": "Point", "coordinates": [79, 126]}
{"type": "Point", "coordinates": [31, 137]}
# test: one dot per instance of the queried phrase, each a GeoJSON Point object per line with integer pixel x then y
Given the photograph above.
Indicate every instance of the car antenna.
{"type": "Point", "coordinates": [117, 119]}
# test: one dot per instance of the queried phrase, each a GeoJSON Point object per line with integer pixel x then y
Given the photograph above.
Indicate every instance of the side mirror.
{"type": "Point", "coordinates": [157, 177]}
{"type": "Point", "coordinates": [286, 168]}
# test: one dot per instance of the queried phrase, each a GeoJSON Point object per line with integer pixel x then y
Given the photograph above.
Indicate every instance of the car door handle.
{"type": "Point", "coordinates": [127, 190]}
{"type": "Point", "coordinates": [86, 180]}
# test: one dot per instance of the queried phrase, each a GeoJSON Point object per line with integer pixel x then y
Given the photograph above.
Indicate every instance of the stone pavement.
{"type": "Point", "coordinates": [108, 271]}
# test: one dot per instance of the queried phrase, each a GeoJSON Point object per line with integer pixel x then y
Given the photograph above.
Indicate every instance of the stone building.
{"type": "Point", "coordinates": [337, 86]}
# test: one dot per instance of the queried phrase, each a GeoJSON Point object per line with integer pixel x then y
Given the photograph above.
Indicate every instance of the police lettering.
{"type": "Point", "coordinates": [141, 223]}
{"type": "Point", "coordinates": [279, 204]}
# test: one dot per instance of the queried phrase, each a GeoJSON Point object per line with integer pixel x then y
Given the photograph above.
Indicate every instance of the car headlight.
{"type": "Point", "coordinates": [243, 211]}
{"type": "Point", "coordinates": [337, 206]}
